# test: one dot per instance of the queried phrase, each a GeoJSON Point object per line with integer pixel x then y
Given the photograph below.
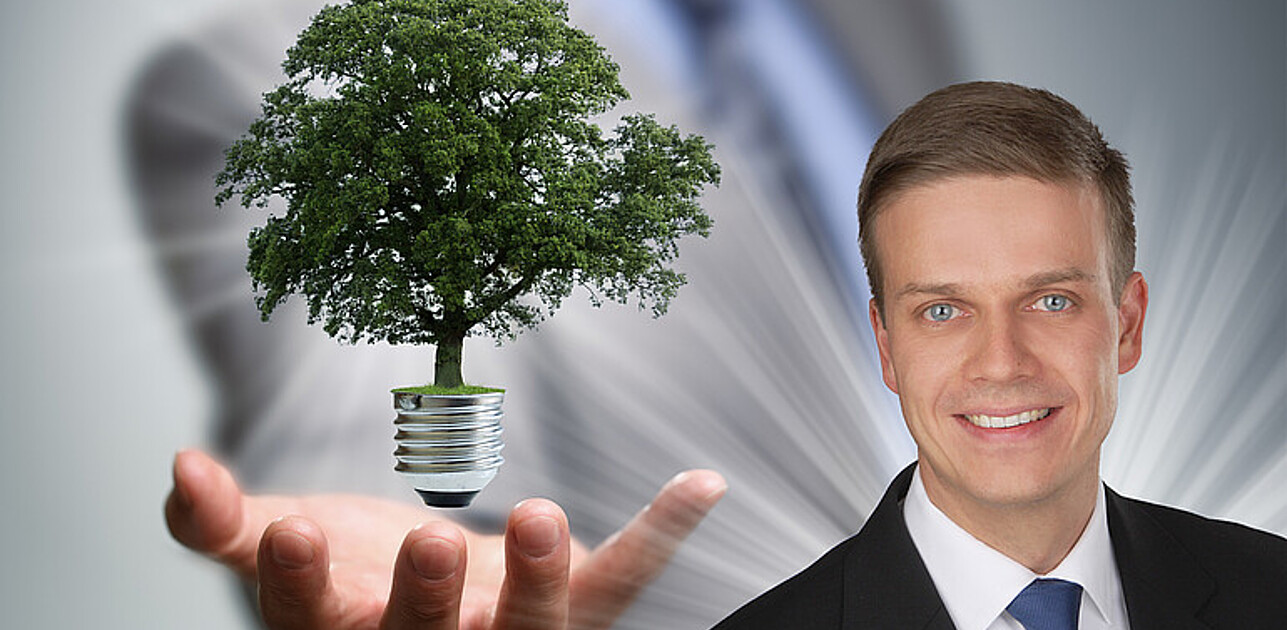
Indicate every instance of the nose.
{"type": "Point", "coordinates": [1000, 352]}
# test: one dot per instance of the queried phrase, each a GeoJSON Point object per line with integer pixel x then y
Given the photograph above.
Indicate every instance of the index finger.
{"type": "Point", "coordinates": [610, 579]}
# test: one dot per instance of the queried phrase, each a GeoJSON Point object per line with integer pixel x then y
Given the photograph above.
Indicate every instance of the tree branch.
{"type": "Point", "coordinates": [497, 300]}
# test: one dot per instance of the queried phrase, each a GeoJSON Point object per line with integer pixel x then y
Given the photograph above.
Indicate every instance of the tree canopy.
{"type": "Point", "coordinates": [442, 175]}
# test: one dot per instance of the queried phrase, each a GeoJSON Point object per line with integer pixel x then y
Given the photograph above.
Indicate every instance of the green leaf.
{"type": "Point", "coordinates": [441, 175]}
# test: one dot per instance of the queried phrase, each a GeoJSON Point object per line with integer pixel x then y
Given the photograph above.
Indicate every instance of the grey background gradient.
{"type": "Point", "coordinates": [99, 386]}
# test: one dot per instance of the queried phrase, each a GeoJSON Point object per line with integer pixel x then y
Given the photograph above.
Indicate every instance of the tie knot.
{"type": "Point", "coordinates": [1047, 605]}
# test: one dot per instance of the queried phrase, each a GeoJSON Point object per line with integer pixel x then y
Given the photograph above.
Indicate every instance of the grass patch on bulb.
{"type": "Point", "coordinates": [434, 390]}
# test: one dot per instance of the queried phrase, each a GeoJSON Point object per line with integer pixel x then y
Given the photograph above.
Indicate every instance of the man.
{"type": "Point", "coordinates": [998, 234]}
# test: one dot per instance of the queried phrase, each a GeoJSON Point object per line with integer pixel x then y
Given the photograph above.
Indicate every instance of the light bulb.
{"type": "Point", "coordinates": [448, 446]}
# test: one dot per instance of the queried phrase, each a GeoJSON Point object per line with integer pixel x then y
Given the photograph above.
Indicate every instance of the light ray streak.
{"type": "Point", "coordinates": [188, 116]}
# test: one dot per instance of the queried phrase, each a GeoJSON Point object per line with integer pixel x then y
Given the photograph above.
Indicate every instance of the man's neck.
{"type": "Point", "coordinates": [1037, 534]}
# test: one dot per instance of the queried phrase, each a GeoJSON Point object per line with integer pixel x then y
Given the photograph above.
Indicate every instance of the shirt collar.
{"type": "Point", "coordinates": [1092, 565]}
{"type": "Point", "coordinates": [977, 582]}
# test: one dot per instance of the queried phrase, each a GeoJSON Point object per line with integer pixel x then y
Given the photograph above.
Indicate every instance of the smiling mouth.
{"type": "Point", "coordinates": [984, 421]}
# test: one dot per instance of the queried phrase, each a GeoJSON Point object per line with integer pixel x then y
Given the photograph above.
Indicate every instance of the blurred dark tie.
{"type": "Point", "coordinates": [1047, 605]}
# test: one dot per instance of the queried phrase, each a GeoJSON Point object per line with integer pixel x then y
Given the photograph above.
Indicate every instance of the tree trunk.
{"type": "Point", "coordinates": [446, 369]}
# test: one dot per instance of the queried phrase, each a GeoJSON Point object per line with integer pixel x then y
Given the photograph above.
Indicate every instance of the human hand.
{"type": "Point", "coordinates": [335, 561]}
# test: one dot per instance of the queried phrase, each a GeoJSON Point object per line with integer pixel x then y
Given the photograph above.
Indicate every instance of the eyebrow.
{"type": "Point", "coordinates": [1035, 281]}
{"type": "Point", "coordinates": [1058, 276]}
{"type": "Point", "coordinates": [942, 288]}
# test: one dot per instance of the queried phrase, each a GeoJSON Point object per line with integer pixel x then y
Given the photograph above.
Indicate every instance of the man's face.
{"type": "Point", "coordinates": [1001, 335]}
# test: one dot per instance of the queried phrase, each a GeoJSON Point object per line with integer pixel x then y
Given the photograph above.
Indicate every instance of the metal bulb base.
{"type": "Point", "coordinates": [448, 446]}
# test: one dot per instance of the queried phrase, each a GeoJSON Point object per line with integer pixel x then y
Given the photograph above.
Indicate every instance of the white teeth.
{"type": "Point", "coordinates": [993, 422]}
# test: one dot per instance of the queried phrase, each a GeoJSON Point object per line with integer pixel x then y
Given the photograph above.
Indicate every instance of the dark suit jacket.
{"type": "Point", "coordinates": [1179, 571]}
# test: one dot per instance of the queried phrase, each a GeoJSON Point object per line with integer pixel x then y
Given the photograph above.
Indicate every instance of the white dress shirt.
{"type": "Point", "coordinates": [977, 582]}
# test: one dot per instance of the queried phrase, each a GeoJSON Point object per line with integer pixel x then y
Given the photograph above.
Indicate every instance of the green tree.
{"type": "Point", "coordinates": [441, 176]}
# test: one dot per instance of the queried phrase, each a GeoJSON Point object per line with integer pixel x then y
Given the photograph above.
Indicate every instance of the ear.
{"type": "Point", "coordinates": [1130, 321]}
{"type": "Point", "coordinates": [882, 344]}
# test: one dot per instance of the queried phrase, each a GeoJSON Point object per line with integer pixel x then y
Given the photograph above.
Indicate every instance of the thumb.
{"type": "Point", "coordinates": [205, 512]}
{"type": "Point", "coordinates": [610, 579]}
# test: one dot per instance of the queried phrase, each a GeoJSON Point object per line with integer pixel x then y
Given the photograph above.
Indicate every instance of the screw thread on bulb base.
{"type": "Point", "coordinates": [448, 446]}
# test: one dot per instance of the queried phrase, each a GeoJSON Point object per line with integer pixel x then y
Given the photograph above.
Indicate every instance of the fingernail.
{"type": "Point", "coordinates": [290, 550]}
{"type": "Point", "coordinates": [537, 536]}
{"type": "Point", "coordinates": [710, 487]}
{"type": "Point", "coordinates": [434, 558]}
{"type": "Point", "coordinates": [716, 489]}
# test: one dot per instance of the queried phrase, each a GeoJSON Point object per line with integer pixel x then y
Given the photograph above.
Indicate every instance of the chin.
{"type": "Point", "coordinates": [1017, 485]}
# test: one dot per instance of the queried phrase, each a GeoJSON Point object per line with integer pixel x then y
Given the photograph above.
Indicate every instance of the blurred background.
{"type": "Point", "coordinates": [129, 330]}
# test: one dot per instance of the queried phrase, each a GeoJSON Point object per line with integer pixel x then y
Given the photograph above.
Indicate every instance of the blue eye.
{"type": "Point", "coordinates": [1054, 303]}
{"type": "Point", "coordinates": [940, 312]}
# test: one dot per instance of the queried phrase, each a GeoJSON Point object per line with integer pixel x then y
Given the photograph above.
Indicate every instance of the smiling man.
{"type": "Point", "coordinates": [997, 229]}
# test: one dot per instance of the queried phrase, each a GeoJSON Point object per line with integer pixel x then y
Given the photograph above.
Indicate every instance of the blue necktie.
{"type": "Point", "coordinates": [1047, 605]}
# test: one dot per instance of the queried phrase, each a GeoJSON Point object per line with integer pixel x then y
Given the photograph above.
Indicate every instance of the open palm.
{"type": "Point", "coordinates": [354, 562]}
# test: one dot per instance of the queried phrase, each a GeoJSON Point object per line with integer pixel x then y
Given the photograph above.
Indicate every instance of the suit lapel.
{"type": "Point", "coordinates": [887, 587]}
{"type": "Point", "coordinates": [886, 584]}
{"type": "Point", "coordinates": [1163, 585]}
